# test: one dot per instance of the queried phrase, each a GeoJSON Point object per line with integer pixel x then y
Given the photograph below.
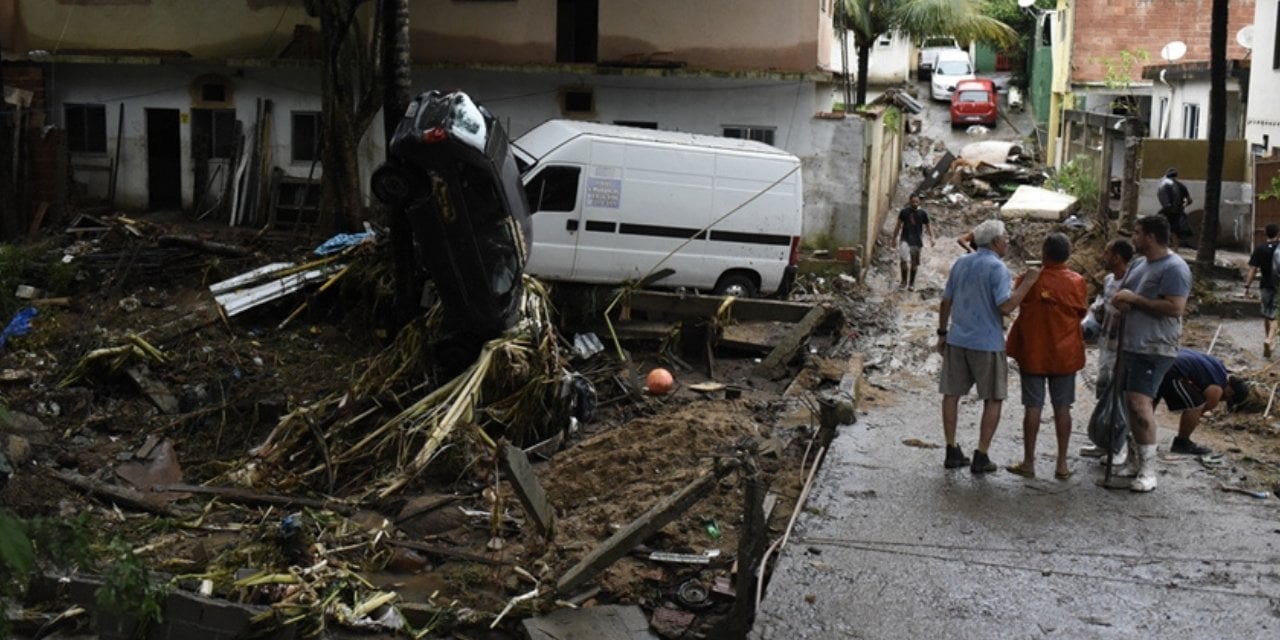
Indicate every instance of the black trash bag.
{"type": "Point", "coordinates": [1109, 423]}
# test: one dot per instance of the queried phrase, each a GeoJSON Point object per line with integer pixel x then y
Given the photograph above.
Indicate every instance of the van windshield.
{"type": "Point", "coordinates": [939, 42]}
{"type": "Point", "coordinates": [953, 68]}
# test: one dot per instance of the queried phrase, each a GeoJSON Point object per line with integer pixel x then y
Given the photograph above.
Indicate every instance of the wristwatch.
{"type": "Point", "coordinates": [942, 332]}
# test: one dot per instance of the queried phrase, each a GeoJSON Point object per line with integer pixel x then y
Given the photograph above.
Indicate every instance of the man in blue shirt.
{"type": "Point", "coordinates": [1195, 384]}
{"type": "Point", "coordinates": [971, 339]}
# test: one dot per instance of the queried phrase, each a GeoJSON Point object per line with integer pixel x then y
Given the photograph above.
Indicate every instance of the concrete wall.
{"type": "Point", "coordinates": [832, 153]}
{"type": "Point", "coordinates": [1235, 211]}
{"type": "Point", "coordinates": [141, 87]}
{"type": "Point", "coordinates": [883, 138]}
{"type": "Point", "coordinates": [1177, 94]}
{"type": "Point", "coordinates": [890, 61]}
{"type": "Point", "coordinates": [225, 28]}
{"type": "Point", "coordinates": [1104, 28]}
{"type": "Point", "coordinates": [711, 34]}
{"type": "Point", "coordinates": [1262, 127]}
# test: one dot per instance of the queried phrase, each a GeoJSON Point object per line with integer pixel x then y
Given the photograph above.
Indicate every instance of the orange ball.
{"type": "Point", "coordinates": [659, 382]}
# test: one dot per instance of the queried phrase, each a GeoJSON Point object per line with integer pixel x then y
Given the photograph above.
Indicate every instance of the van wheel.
{"type": "Point", "coordinates": [737, 285]}
{"type": "Point", "coordinates": [391, 185]}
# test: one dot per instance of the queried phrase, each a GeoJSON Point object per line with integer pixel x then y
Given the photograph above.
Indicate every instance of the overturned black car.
{"type": "Point", "coordinates": [450, 171]}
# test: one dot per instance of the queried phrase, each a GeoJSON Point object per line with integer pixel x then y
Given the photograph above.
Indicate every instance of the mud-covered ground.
{"type": "Point", "coordinates": [236, 379]}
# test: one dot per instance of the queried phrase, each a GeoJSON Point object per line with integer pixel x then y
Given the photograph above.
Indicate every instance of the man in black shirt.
{"type": "Point", "coordinates": [908, 233]}
{"type": "Point", "coordinates": [1174, 200]}
{"type": "Point", "coordinates": [1260, 261]}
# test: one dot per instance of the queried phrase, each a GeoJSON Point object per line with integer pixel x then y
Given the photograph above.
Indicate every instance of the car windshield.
{"type": "Point", "coordinates": [973, 95]}
{"type": "Point", "coordinates": [939, 42]}
{"type": "Point", "coordinates": [953, 68]}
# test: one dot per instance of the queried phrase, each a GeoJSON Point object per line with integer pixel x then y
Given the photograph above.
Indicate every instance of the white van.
{"type": "Point", "coordinates": [612, 203]}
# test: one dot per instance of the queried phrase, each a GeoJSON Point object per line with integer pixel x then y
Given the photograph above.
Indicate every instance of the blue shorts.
{"type": "Point", "coordinates": [1062, 390]}
{"type": "Point", "coordinates": [1143, 372]}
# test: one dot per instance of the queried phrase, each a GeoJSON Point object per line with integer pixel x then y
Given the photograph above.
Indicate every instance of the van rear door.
{"type": "Point", "coordinates": [554, 192]}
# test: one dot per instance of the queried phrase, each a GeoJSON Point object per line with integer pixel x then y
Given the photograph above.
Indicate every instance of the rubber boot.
{"type": "Point", "coordinates": [1129, 466]}
{"type": "Point", "coordinates": [1146, 480]}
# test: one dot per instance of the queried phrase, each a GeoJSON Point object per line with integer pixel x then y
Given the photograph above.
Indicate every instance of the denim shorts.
{"type": "Point", "coordinates": [1268, 297]}
{"type": "Point", "coordinates": [1143, 372]}
{"type": "Point", "coordinates": [1062, 390]}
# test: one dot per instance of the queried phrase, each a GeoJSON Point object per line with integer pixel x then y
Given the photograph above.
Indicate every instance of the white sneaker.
{"type": "Point", "coordinates": [1118, 460]}
{"type": "Point", "coordinates": [1143, 483]}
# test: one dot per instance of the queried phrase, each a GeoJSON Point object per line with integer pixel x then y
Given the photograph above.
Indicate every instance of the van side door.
{"type": "Point", "coordinates": [554, 194]}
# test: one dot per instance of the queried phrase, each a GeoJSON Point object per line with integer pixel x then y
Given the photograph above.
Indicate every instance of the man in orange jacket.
{"type": "Point", "coordinates": [1047, 343]}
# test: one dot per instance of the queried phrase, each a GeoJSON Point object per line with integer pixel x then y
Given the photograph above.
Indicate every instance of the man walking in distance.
{"type": "Point", "coordinates": [909, 234]}
{"type": "Point", "coordinates": [1047, 343]}
{"type": "Point", "coordinates": [971, 339]}
{"type": "Point", "coordinates": [1174, 200]}
{"type": "Point", "coordinates": [1152, 298]}
{"type": "Point", "coordinates": [1261, 261]}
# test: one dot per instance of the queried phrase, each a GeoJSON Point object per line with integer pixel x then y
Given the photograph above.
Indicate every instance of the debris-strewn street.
{"type": "Point", "coordinates": [893, 545]}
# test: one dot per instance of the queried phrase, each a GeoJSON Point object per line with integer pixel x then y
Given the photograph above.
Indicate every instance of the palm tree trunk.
{"type": "Point", "coordinates": [397, 92]}
{"type": "Point", "coordinates": [1217, 131]}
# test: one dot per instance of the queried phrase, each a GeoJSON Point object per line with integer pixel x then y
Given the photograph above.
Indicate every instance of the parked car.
{"type": "Point", "coordinates": [929, 49]}
{"type": "Point", "coordinates": [974, 102]}
{"type": "Point", "coordinates": [949, 67]}
{"type": "Point", "coordinates": [452, 172]}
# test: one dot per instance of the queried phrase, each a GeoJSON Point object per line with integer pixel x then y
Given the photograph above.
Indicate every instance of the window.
{"type": "Point", "coordinates": [1190, 121]}
{"type": "Point", "coordinates": [1160, 111]}
{"type": "Point", "coordinates": [762, 134]}
{"type": "Point", "coordinates": [306, 136]}
{"type": "Point", "coordinates": [639, 124]}
{"type": "Point", "coordinates": [213, 93]}
{"type": "Point", "coordinates": [213, 133]}
{"type": "Point", "coordinates": [579, 101]}
{"type": "Point", "coordinates": [1275, 48]}
{"type": "Point", "coordinates": [555, 189]}
{"type": "Point", "coordinates": [86, 127]}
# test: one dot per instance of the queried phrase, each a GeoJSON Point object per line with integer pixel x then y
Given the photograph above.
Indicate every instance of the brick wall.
{"type": "Point", "coordinates": [38, 168]}
{"type": "Point", "coordinates": [1104, 28]}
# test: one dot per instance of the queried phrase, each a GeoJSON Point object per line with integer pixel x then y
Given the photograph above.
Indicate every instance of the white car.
{"type": "Point", "coordinates": [929, 49]}
{"type": "Point", "coordinates": [949, 67]}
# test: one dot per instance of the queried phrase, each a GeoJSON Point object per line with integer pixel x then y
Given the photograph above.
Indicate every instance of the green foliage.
{"type": "Point", "coordinates": [16, 555]}
{"type": "Point", "coordinates": [892, 119]}
{"type": "Point", "coordinates": [1120, 69]}
{"type": "Point", "coordinates": [1273, 191]}
{"type": "Point", "coordinates": [1079, 179]}
{"type": "Point", "coordinates": [128, 587]}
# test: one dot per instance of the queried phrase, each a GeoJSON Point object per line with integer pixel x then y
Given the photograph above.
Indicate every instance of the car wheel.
{"type": "Point", "coordinates": [737, 285]}
{"type": "Point", "coordinates": [391, 185]}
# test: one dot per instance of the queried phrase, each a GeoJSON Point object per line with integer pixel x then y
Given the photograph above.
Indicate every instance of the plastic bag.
{"type": "Point", "coordinates": [1109, 423]}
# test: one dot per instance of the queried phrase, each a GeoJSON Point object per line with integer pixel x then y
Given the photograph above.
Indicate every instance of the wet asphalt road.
{"type": "Point", "coordinates": [892, 545]}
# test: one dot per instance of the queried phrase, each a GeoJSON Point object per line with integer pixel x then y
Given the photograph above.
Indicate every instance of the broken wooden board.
{"type": "Point", "coordinates": [754, 337]}
{"type": "Point", "coordinates": [621, 543]}
{"type": "Point", "coordinates": [529, 490]}
{"type": "Point", "coordinates": [155, 390]}
{"type": "Point", "coordinates": [695, 306]}
{"type": "Point", "coordinates": [775, 364]}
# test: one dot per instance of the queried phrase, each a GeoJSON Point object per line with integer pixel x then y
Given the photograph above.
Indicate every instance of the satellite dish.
{"type": "Point", "coordinates": [1173, 51]}
{"type": "Point", "coordinates": [1026, 4]}
{"type": "Point", "coordinates": [1244, 37]}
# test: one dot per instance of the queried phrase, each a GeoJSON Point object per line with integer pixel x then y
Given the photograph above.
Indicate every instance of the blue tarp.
{"type": "Point", "coordinates": [342, 241]}
{"type": "Point", "coordinates": [20, 325]}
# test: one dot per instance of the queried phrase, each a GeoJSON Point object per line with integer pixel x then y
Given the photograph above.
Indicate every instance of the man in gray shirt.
{"type": "Point", "coordinates": [1152, 299]}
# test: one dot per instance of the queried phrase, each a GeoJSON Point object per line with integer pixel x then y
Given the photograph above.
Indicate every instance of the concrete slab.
{"type": "Point", "coordinates": [611, 622]}
{"type": "Point", "coordinates": [1037, 204]}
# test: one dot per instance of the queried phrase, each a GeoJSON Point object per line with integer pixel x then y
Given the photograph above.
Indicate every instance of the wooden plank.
{"type": "Point", "coordinates": [622, 542]}
{"type": "Point", "coordinates": [695, 306]}
{"type": "Point", "coordinates": [120, 495]}
{"type": "Point", "coordinates": [444, 551]}
{"type": "Point", "coordinates": [775, 364]}
{"type": "Point", "coordinates": [529, 490]}
{"type": "Point", "coordinates": [245, 496]}
{"type": "Point", "coordinates": [156, 391]}
{"type": "Point", "coordinates": [37, 220]}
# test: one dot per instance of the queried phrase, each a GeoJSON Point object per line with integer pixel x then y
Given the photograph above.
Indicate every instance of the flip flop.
{"type": "Point", "coordinates": [1018, 469]}
{"type": "Point", "coordinates": [1064, 476]}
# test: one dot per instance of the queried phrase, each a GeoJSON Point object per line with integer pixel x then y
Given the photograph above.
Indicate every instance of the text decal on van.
{"type": "Point", "coordinates": [604, 192]}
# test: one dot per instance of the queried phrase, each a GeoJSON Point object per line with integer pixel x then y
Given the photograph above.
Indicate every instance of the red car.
{"type": "Point", "coordinates": [974, 102]}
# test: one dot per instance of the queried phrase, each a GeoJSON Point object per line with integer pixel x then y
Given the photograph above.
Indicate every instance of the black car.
{"type": "Point", "coordinates": [451, 171]}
